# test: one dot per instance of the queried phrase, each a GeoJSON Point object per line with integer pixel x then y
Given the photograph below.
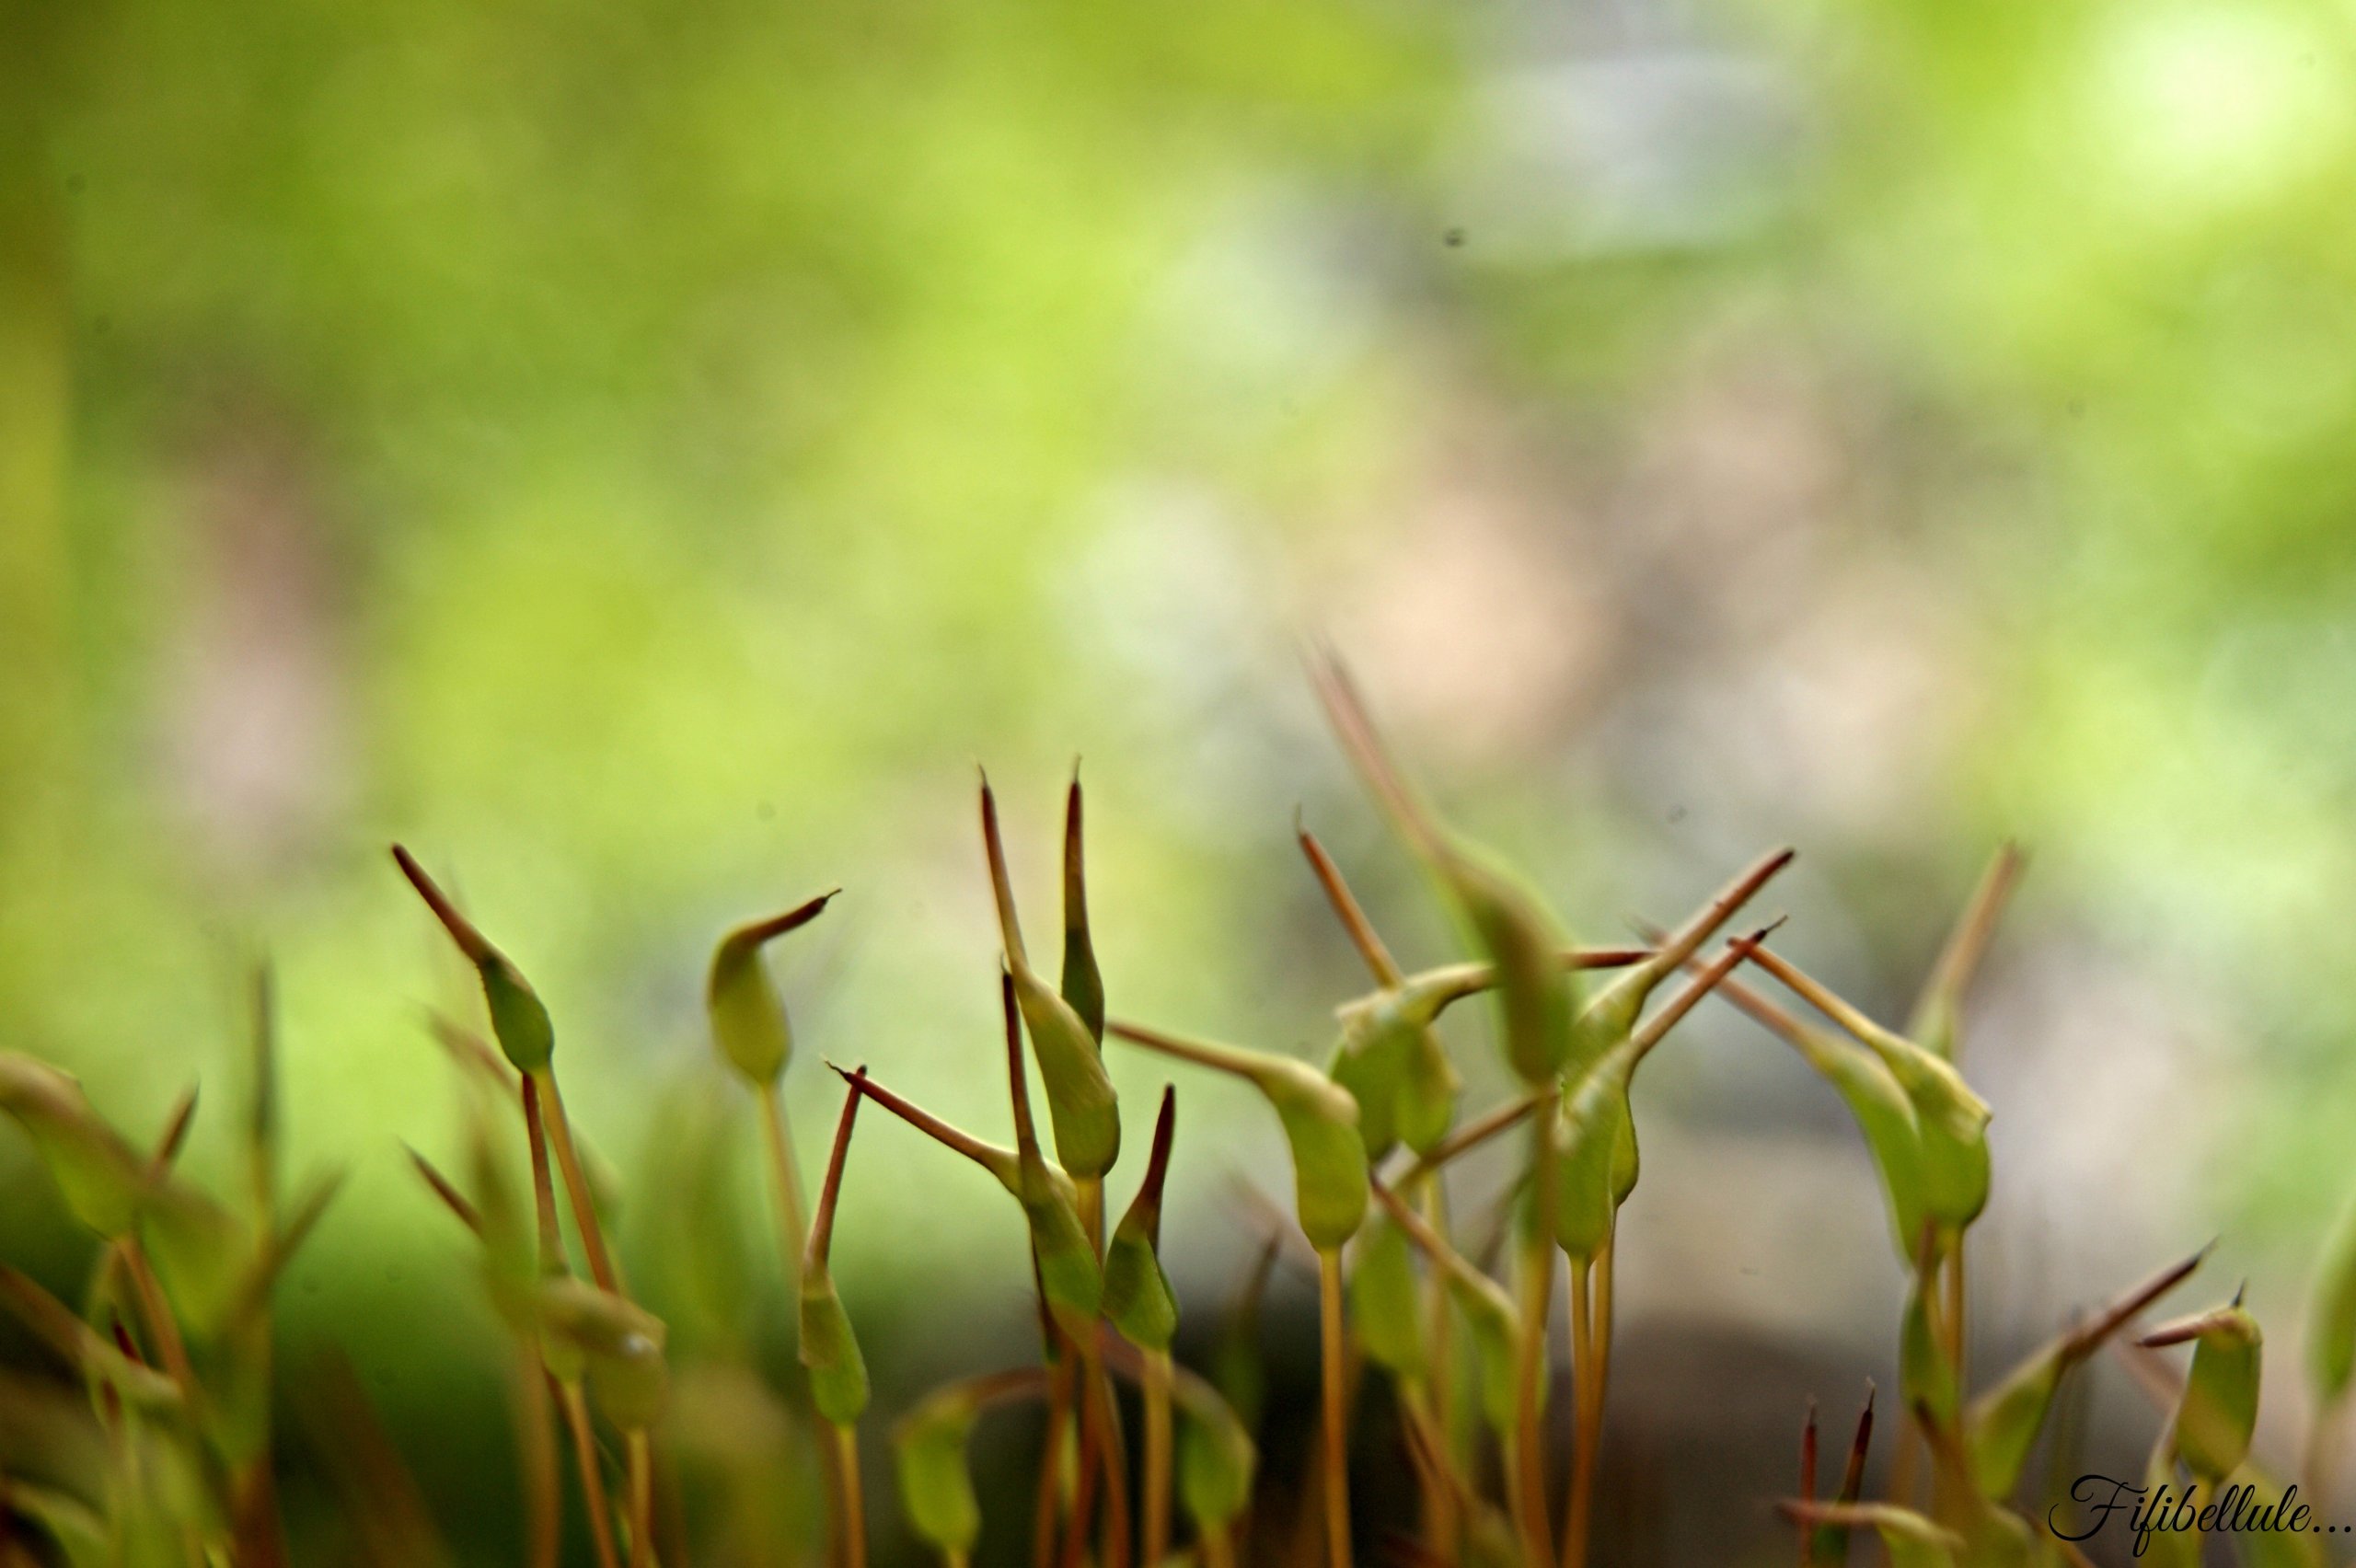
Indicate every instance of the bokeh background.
{"type": "Point", "coordinates": [644, 455]}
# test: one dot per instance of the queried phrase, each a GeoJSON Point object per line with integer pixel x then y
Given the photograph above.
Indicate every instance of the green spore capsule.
{"type": "Point", "coordinates": [1215, 1457]}
{"type": "Point", "coordinates": [1951, 1119]}
{"type": "Point", "coordinates": [1069, 1276]}
{"type": "Point", "coordinates": [936, 1488]}
{"type": "Point", "coordinates": [1388, 1057]}
{"type": "Point", "coordinates": [1506, 921]}
{"type": "Point", "coordinates": [99, 1173]}
{"type": "Point", "coordinates": [1534, 993]}
{"type": "Point", "coordinates": [1596, 1164]}
{"type": "Point", "coordinates": [1319, 1122]}
{"type": "Point", "coordinates": [1083, 984]}
{"type": "Point", "coordinates": [518, 1021]}
{"type": "Point", "coordinates": [830, 1352]}
{"type": "Point", "coordinates": [2002, 1426]}
{"type": "Point", "coordinates": [1875, 1101]}
{"type": "Point", "coordinates": [1137, 1300]}
{"type": "Point", "coordinates": [1082, 1106]}
{"type": "Point", "coordinates": [202, 1253]}
{"type": "Point", "coordinates": [1384, 1303]}
{"type": "Point", "coordinates": [748, 1018]}
{"type": "Point", "coordinates": [1393, 1066]}
{"type": "Point", "coordinates": [2219, 1410]}
{"type": "Point", "coordinates": [614, 1342]}
{"type": "Point", "coordinates": [1595, 1145]}
{"type": "Point", "coordinates": [829, 1347]}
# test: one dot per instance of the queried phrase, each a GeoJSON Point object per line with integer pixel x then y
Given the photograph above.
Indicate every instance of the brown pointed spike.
{"type": "Point", "coordinates": [2089, 1336]}
{"type": "Point", "coordinates": [1710, 976]}
{"type": "Point", "coordinates": [263, 1110]}
{"type": "Point", "coordinates": [1687, 939]}
{"type": "Point", "coordinates": [175, 1134]}
{"type": "Point", "coordinates": [822, 1226]}
{"type": "Point", "coordinates": [471, 943]}
{"type": "Point", "coordinates": [1347, 711]}
{"type": "Point", "coordinates": [1026, 1133]}
{"type": "Point", "coordinates": [1157, 1167]}
{"type": "Point", "coordinates": [452, 1199]}
{"type": "Point", "coordinates": [125, 1344]}
{"type": "Point", "coordinates": [284, 1245]}
{"type": "Point", "coordinates": [1075, 857]}
{"type": "Point", "coordinates": [922, 1120]}
{"type": "Point", "coordinates": [470, 1051]}
{"type": "Point", "coordinates": [1473, 1133]}
{"type": "Point", "coordinates": [1001, 885]}
{"type": "Point", "coordinates": [760, 931]}
{"type": "Point", "coordinates": [1852, 1478]}
{"type": "Point", "coordinates": [1762, 1010]}
{"type": "Point", "coordinates": [2185, 1329]}
{"type": "Point", "coordinates": [1967, 944]}
{"type": "Point", "coordinates": [1363, 936]}
{"type": "Point", "coordinates": [1807, 1452]}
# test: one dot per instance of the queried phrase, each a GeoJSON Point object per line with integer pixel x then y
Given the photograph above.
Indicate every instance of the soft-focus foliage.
{"type": "Point", "coordinates": [642, 457]}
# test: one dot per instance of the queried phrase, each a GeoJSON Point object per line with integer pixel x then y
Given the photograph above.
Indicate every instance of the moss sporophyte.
{"type": "Point", "coordinates": [685, 1443]}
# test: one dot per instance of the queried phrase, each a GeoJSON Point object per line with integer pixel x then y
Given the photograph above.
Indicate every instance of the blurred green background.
{"type": "Point", "coordinates": [644, 457]}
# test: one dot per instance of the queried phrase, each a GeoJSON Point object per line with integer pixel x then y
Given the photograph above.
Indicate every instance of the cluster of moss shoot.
{"type": "Point", "coordinates": [174, 1340]}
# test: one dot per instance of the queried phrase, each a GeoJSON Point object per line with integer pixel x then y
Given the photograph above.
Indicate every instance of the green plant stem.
{"type": "Point", "coordinates": [1053, 1471]}
{"type": "Point", "coordinates": [551, 1240]}
{"type": "Point", "coordinates": [1155, 1387]}
{"type": "Point", "coordinates": [1083, 1490]}
{"type": "Point", "coordinates": [1115, 1546]}
{"type": "Point", "coordinates": [1472, 1135]}
{"type": "Point", "coordinates": [156, 1314]}
{"type": "Point", "coordinates": [854, 1506]}
{"type": "Point", "coordinates": [537, 1459]}
{"type": "Point", "coordinates": [1587, 1411]}
{"type": "Point", "coordinates": [576, 1186]}
{"type": "Point", "coordinates": [1335, 1457]}
{"type": "Point", "coordinates": [1092, 1392]}
{"type": "Point", "coordinates": [1956, 1299]}
{"type": "Point", "coordinates": [2317, 1464]}
{"type": "Point", "coordinates": [592, 1482]}
{"type": "Point", "coordinates": [1528, 1460]}
{"type": "Point", "coordinates": [641, 1500]}
{"type": "Point", "coordinates": [778, 1141]}
{"type": "Point", "coordinates": [1440, 1521]}
{"type": "Point", "coordinates": [1218, 1551]}
{"type": "Point", "coordinates": [1104, 1453]}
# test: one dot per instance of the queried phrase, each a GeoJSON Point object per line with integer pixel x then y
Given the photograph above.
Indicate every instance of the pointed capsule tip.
{"type": "Point", "coordinates": [471, 942]}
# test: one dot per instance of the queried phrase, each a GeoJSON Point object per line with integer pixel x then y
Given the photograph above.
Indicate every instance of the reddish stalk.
{"type": "Point", "coordinates": [593, 1501]}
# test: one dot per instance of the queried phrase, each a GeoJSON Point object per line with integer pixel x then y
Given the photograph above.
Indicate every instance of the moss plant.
{"type": "Point", "coordinates": [173, 1344]}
